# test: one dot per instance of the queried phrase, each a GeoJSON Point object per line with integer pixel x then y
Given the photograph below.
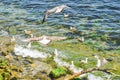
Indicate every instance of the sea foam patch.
{"type": "Point", "coordinates": [25, 52]}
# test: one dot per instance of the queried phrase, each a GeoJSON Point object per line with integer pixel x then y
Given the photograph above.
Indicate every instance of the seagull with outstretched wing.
{"type": "Point", "coordinates": [56, 9]}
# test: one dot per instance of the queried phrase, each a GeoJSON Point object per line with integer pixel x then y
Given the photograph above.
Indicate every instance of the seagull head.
{"type": "Point", "coordinates": [65, 6]}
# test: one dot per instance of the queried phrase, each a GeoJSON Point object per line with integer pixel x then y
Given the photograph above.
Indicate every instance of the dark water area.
{"type": "Point", "coordinates": [96, 18]}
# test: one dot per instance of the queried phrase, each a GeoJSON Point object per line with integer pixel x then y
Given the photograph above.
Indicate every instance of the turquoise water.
{"type": "Point", "coordinates": [97, 20]}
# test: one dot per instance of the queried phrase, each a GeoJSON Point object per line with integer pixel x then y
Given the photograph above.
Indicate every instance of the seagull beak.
{"type": "Point", "coordinates": [68, 7]}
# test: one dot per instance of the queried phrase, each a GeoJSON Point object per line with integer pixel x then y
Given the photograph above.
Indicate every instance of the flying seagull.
{"type": "Point", "coordinates": [56, 10]}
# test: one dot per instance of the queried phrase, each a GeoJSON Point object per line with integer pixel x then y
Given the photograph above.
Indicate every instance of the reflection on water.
{"type": "Point", "coordinates": [91, 17]}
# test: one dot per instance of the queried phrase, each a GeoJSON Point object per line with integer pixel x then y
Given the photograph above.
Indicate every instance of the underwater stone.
{"type": "Point", "coordinates": [58, 72]}
{"type": "Point", "coordinates": [12, 30]}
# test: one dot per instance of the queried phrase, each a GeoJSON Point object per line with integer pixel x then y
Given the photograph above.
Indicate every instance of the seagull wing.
{"type": "Point", "coordinates": [48, 12]}
{"type": "Point", "coordinates": [58, 10]}
{"type": "Point", "coordinates": [45, 17]}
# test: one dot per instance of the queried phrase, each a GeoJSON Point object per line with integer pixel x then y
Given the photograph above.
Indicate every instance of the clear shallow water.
{"type": "Point", "coordinates": [93, 17]}
{"type": "Point", "coordinates": [90, 16]}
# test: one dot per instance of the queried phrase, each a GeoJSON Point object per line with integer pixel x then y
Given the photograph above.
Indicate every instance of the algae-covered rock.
{"type": "Point", "coordinates": [6, 70]}
{"type": "Point", "coordinates": [6, 46]}
{"type": "Point", "coordinates": [1, 77]}
{"type": "Point", "coordinates": [12, 30]}
{"type": "Point", "coordinates": [42, 67]}
{"type": "Point", "coordinates": [50, 61]}
{"type": "Point", "coordinates": [116, 78]}
{"type": "Point", "coordinates": [58, 72]}
{"type": "Point", "coordinates": [41, 76]}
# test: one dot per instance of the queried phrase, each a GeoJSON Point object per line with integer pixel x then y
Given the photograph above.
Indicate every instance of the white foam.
{"type": "Point", "coordinates": [60, 62]}
{"type": "Point", "coordinates": [93, 77]}
{"type": "Point", "coordinates": [19, 50]}
{"type": "Point", "coordinates": [65, 64]}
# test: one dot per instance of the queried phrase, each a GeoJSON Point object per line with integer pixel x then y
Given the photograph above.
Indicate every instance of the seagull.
{"type": "Point", "coordinates": [56, 52]}
{"type": "Point", "coordinates": [104, 61]}
{"type": "Point", "coordinates": [73, 29]}
{"type": "Point", "coordinates": [74, 68]}
{"type": "Point", "coordinates": [29, 45]}
{"type": "Point", "coordinates": [66, 15]}
{"type": "Point", "coordinates": [72, 64]}
{"type": "Point", "coordinates": [56, 10]}
{"type": "Point", "coordinates": [85, 61]}
{"type": "Point", "coordinates": [12, 39]}
{"type": "Point", "coordinates": [45, 41]}
{"type": "Point", "coordinates": [98, 61]}
{"type": "Point", "coordinates": [29, 32]}
{"type": "Point", "coordinates": [81, 39]}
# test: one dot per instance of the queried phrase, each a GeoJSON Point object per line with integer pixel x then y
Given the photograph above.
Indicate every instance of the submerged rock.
{"type": "Point", "coordinates": [42, 67]}
{"type": "Point", "coordinates": [12, 30]}
{"type": "Point", "coordinates": [29, 68]}
{"type": "Point", "coordinates": [6, 46]}
{"type": "Point", "coordinates": [37, 70]}
{"type": "Point", "coordinates": [58, 72]}
{"type": "Point", "coordinates": [41, 76]}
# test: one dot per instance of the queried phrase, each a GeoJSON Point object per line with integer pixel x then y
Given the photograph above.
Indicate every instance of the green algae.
{"type": "Point", "coordinates": [7, 70]}
{"type": "Point", "coordinates": [116, 78]}
{"type": "Point", "coordinates": [74, 51]}
{"type": "Point", "coordinates": [51, 62]}
{"type": "Point", "coordinates": [6, 45]}
{"type": "Point", "coordinates": [12, 30]}
{"type": "Point", "coordinates": [78, 51]}
{"type": "Point", "coordinates": [78, 48]}
{"type": "Point", "coordinates": [57, 72]}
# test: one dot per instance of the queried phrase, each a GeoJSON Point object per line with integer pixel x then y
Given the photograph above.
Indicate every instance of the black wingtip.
{"type": "Point", "coordinates": [44, 19]}
{"type": "Point", "coordinates": [42, 22]}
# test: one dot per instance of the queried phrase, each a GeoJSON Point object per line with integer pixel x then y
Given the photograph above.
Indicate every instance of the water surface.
{"type": "Point", "coordinates": [89, 16]}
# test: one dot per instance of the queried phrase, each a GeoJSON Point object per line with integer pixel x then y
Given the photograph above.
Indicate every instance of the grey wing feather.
{"type": "Point", "coordinates": [47, 13]}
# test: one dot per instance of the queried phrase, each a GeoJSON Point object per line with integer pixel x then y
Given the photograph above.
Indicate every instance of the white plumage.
{"type": "Point", "coordinates": [98, 61]}
{"type": "Point", "coordinates": [81, 39]}
{"type": "Point", "coordinates": [56, 9]}
{"type": "Point", "coordinates": [45, 41]}
{"type": "Point", "coordinates": [104, 61]}
{"type": "Point", "coordinates": [74, 68]}
{"type": "Point", "coordinates": [29, 32]}
{"type": "Point", "coordinates": [85, 61]}
{"type": "Point", "coordinates": [66, 15]}
{"type": "Point", "coordinates": [56, 53]}
{"type": "Point", "coordinates": [13, 39]}
{"type": "Point", "coordinates": [29, 45]}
